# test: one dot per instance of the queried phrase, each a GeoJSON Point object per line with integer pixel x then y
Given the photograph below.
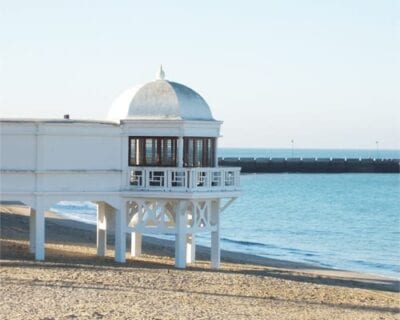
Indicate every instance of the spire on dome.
{"type": "Point", "coordinates": [160, 74]}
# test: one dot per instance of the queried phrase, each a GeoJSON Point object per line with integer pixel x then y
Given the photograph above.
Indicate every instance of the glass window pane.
{"type": "Point", "coordinates": [174, 151]}
{"type": "Point", "coordinates": [164, 151]}
{"type": "Point", "coordinates": [208, 157]}
{"type": "Point", "coordinates": [190, 152]}
{"type": "Point", "coordinates": [211, 152]}
{"type": "Point", "coordinates": [132, 151]}
{"type": "Point", "coordinates": [141, 156]}
{"type": "Point", "coordinates": [151, 152]}
{"type": "Point", "coordinates": [199, 153]}
{"type": "Point", "coordinates": [168, 151]}
{"type": "Point", "coordinates": [185, 152]}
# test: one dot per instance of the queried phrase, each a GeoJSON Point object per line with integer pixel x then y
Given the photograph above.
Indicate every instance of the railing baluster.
{"type": "Point", "coordinates": [183, 179]}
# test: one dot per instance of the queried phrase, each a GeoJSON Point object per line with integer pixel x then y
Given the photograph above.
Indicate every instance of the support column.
{"type": "Point", "coordinates": [120, 232]}
{"type": "Point", "coordinates": [190, 248]}
{"type": "Point", "coordinates": [32, 230]}
{"type": "Point", "coordinates": [180, 152]}
{"type": "Point", "coordinates": [215, 236]}
{"type": "Point", "coordinates": [136, 244]}
{"type": "Point", "coordinates": [180, 237]}
{"type": "Point", "coordinates": [101, 229]}
{"type": "Point", "coordinates": [39, 228]}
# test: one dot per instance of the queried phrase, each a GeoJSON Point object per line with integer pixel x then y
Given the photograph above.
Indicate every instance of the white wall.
{"type": "Point", "coordinates": [50, 156]}
{"type": "Point", "coordinates": [46, 156]}
{"type": "Point", "coordinates": [81, 150]}
{"type": "Point", "coordinates": [17, 146]}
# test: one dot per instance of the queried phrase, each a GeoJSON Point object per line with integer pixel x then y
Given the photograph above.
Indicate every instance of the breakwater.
{"type": "Point", "coordinates": [312, 165]}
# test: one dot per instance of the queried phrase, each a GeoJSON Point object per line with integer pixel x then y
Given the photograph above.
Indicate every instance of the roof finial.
{"type": "Point", "coordinates": [160, 74]}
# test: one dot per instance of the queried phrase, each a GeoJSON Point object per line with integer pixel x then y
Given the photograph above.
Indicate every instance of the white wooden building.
{"type": "Point", "coordinates": [151, 168]}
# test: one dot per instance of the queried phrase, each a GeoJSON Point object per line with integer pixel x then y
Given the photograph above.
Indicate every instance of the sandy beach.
{"type": "Point", "coordinates": [73, 283]}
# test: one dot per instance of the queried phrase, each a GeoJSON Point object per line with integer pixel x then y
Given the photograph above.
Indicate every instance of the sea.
{"type": "Point", "coordinates": [342, 221]}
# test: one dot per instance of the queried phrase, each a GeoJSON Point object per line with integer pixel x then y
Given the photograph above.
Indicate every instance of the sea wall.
{"type": "Point", "coordinates": [312, 165]}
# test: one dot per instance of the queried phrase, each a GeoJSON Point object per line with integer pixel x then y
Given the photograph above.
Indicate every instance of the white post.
{"type": "Point", "coordinates": [180, 237]}
{"type": "Point", "coordinates": [190, 248]}
{"type": "Point", "coordinates": [120, 232]}
{"type": "Point", "coordinates": [215, 236]}
{"type": "Point", "coordinates": [39, 228]}
{"type": "Point", "coordinates": [32, 230]}
{"type": "Point", "coordinates": [101, 229]}
{"type": "Point", "coordinates": [136, 244]}
{"type": "Point", "coordinates": [180, 152]}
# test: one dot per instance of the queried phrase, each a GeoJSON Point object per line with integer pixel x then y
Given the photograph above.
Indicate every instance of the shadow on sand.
{"type": "Point", "coordinates": [14, 253]}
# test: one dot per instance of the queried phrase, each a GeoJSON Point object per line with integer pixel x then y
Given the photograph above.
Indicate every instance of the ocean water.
{"type": "Point", "coordinates": [345, 221]}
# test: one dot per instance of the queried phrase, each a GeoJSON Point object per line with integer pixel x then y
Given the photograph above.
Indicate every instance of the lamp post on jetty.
{"type": "Point", "coordinates": [292, 145]}
{"type": "Point", "coordinates": [151, 168]}
{"type": "Point", "coordinates": [377, 149]}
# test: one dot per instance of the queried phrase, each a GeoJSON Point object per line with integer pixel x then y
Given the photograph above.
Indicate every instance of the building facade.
{"type": "Point", "coordinates": [151, 168]}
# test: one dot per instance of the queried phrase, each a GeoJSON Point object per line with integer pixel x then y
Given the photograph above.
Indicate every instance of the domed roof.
{"type": "Point", "coordinates": [160, 99]}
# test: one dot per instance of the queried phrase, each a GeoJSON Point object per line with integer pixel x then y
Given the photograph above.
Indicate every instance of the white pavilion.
{"type": "Point", "coordinates": [151, 168]}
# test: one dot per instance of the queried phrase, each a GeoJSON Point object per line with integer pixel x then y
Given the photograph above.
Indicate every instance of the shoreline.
{"type": "Point", "coordinates": [165, 247]}
{"type": "Point", "coordinates": [74, 283]}
{"type": "Point", "coordinates": [231, 255]}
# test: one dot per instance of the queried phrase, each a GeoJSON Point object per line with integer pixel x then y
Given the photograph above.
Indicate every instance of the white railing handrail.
{"type": "Point", "coordinates": [184, 179]}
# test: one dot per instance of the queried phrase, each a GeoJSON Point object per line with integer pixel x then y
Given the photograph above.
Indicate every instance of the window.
{"type": "Point", "coordinates": [152, 151]}
{"type": "Point", "coordinates": [162, 151]}
{"type": "Point", "coordinates": [199, 152]}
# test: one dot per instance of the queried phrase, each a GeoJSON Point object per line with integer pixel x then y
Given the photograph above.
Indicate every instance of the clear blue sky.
{"type": "Point", "coordinates": [324, 73]}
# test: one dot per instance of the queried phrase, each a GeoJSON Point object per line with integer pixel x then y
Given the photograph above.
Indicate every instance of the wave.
{"type": "Point", "coordinates": [89, 219]}
{"type": "Point", "coordinates": [75, 207]}
{"type": "Point", "coordinates": [378, 265]}
{"type": "Point", "coordinates": [269, 246]}
{"type": "Point", "coordinates": [247, 243]}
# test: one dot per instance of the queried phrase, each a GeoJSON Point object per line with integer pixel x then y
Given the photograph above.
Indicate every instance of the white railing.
{"type": "Point", "coordinates": [184, 179]}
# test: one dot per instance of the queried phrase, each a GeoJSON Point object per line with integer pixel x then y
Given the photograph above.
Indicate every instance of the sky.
{"type": "Point", "coordinates": [325, 74]}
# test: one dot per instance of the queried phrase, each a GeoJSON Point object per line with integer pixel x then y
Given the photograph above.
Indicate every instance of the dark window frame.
{"type": "Point", "coordinates": [141, 162]}
{"type": "Point", "coordinates": [207, 153]}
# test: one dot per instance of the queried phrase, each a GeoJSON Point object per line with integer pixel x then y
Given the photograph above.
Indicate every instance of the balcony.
{"type": "Point", "coordinates": [171, 179]}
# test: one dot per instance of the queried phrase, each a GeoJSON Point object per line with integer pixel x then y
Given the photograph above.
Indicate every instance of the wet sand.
{"type": "Point", "coordinates": [73, 283]}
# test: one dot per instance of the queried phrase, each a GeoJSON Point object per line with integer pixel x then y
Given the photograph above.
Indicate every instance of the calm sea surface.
{"type": "Point", "coordinates": [346, 221]}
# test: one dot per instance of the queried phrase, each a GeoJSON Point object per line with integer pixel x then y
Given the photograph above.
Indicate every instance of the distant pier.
{"type": "Point", "coordinates": [312, 165]}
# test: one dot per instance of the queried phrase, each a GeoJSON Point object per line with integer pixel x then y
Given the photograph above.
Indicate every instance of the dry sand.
{"type": "Point", "coordinates": [73, 283]}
